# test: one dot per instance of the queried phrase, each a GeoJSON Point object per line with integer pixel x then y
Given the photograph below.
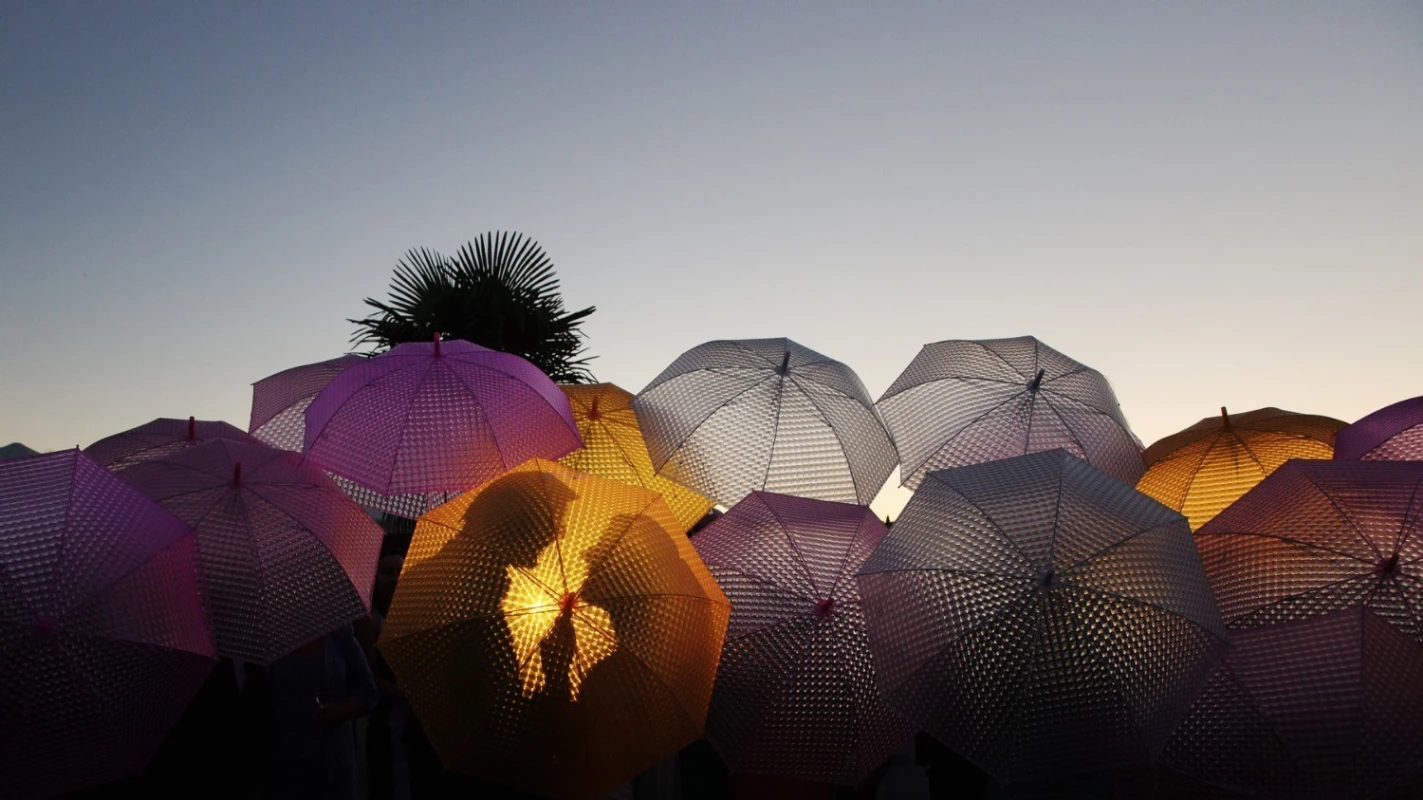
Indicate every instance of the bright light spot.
{"type": "Point", "coordinates": [536, 600]}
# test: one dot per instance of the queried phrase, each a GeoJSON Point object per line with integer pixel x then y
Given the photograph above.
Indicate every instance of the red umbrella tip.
{"type": "Point", "coordinates": [437, 343]}
{"type": "Point", "coordinates": [1224, 417]}
{"type": "Point", "coordinates": [192, 429]}
{"type": "Point", "coordinates": [825, 607]}
{"type": "Point", "coordinates": [567, 602]}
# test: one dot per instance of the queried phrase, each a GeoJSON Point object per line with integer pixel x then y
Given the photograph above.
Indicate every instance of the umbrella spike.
{"type": "Point", "coordinates": [785, 363]}
{"type": "Point", "coordinates": [1037, 381]}
{"type": "Point", "coordinates": [192, 429]}
{"type": "Point", "coordinates": [437, 343]}
{"type": "Point", "coordinates": [1224, 417]}
{"type": "Point", "coordinates": [237, 473]}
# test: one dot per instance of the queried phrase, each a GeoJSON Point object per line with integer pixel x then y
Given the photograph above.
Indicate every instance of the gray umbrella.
{"type": "Point", "coordinates": [965, 402]}
{"type": "Point", "coordinates": [729, 417]}
{"type": "Point", "coordinates": [1040, 617]}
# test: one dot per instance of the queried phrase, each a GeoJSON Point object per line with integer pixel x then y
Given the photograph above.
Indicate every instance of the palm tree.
{"type": "Point", "coordinates": [499, 291]}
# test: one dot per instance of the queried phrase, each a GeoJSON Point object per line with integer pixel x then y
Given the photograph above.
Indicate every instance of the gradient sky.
{"type": "Point", "coordinates": [1212, 203]}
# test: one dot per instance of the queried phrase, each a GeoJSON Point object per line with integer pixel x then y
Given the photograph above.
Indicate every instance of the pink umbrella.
{"type": "Point", "coordinates": [279, 401]}
{"type": "Point", "coordinates": [285, 556]}
{"type": "Point", "coordinates": [795, 692]}
{"type": "Point", "coordinates": [279, 404]}
{"type": "Point", "coordinates": [157, 439]}
{"type": "Point", "coordinates": [437, 417]}
{"type": "Point", "coordinates": [103, 638]}
{"type": "Point", "coordinates": [1393, 433]}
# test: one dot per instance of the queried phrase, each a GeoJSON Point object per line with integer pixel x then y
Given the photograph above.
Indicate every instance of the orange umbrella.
{"type": "Point", "coordinates": [555, 631]}
{"type": "Point", "coordinates": [1206, 467]}
{"type": "Point", "coordinates": [613, 447]}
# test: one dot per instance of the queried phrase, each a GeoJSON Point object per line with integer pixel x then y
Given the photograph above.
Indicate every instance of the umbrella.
{"type": "Point", "coordinates": [436, 417]}
{"type": "Point", "coordinates": [157, 439]}
{"type": "Point", "coordinates": [1330, 706]}
{"type": "Point", "coordinates": [555, 631]}
{"type": "Point", "coordinates": [16, 450]}
{"type": "Point", "coordinates": [279, 404]}
{"type": "Point", "coordinates": [1393, 433]}
{"type": "Point", "coordinates": [1040, 617]}
{"type": "Point", "coordinates": [795, 693]}
{"type": "Point", "coordinates": [1319, 536]}
{"type": "Point", "coordinates": [728, 417]}
{"type": "Point", "coordinates": [1206, 467]}
{"type": "Point", "coordinates": [285, 556]}
{"type": "Point", "coordinates": [613, 447]}
{"type": "Point", "coordinates": [102, 633]}
{"type": "Point", "coordinates": [966, 402]}
{"type": "Point", "coordinates": [279, 401]}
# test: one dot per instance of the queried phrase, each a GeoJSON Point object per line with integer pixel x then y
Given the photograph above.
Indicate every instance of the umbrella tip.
{"type": "Point", "coordinates": [192, 429]}
{"type": "Point", "coordinates": [1037, 381]}
{"type": "Point", "coordinates": [785, 363]}
{"type": "Point", "coordinates": [825, 607]}
{"type": "Point", "coordinates": [437, 343]}
{"type": "Point", "coordinates": [237, 474]}
{"type": "Point", "coordinates": [1224, 417]}
{"type": "Point", "coordinates": [1387, 567]}
{"type": "Point", "coordinates": [567, 602]}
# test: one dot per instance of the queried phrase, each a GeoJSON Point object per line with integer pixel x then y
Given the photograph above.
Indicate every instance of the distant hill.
{"type": "Point", "coordinates": [16, 450]}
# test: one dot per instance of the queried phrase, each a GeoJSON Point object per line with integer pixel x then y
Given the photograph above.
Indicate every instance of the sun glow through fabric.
{"type": "Point", "coordinates": [533, 610]}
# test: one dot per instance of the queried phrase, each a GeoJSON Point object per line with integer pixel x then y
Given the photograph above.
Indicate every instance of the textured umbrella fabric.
{"type": "Point", "coordinates": [795, 693]}
{"type": "Point", "coordinates": [279, 404]}
{"type": "Point", "coordinates": [1393, 433]}
{"type": "Point", "coordinates": [555, 631]}
{"type": "Point", "coordinates": [103, 638]}
{"type": "Point", "coordinates": [966, 402]}
{"type": "Point", "coordinates": [613, 447]}
{"type": "Point", "coordinates": [1040, 617]}
{"type": "Point", "coordinates": [730, 417]}
{"type": "Point", "coordinates": [1320, 536]}
{"type": "Point", "coordinates": [1206, 467]}
{"type": "Point", "coordinates": [285, 556]}
{"type": "Point", "coordinates": [437, 417]}
{"type": "Point", "coordinates": [1330, 706]}
{"type": "Point", "coordinates": [279, 401]}
{"type": "Point", "coordinates": [157, 439]}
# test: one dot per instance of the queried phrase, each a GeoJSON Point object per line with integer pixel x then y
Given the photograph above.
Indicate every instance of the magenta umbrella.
{"type": "Point", "coordinates": [157, 439]}
{"type": "Point", "coordinates": [279, 404]}
{"type": "Point", "coordinates": [103, 638]}
{"type": "Point", "coordinates": [1393, 433]}
{"type": "Point", "coordinates": [285, 555]}
{"type": "Point", "coordinates": [437, 417]}
{"type": "Point", "coordinates": [795, 691]}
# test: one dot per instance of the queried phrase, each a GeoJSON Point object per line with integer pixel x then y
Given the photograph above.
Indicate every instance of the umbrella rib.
{"type": "Point", "coordinates": [1137, 601]}
{"type": "Point", "coordinates": [775, 429]}
{"type": "Point", "coordinates": [691, 719]}
{"type": "Point", "coordinates": [942, 378]}
{"type": "Point", "coordinates": [985, 348]}
{"type": "Point", "coordinates": [52, 597]}
{"type": "Point", "coordinates": [794, 547]}
{"type": "Point", "coordinates": [1200, 463]}
{"type": "Point", "coordinates": [404, 424]}
{"type": "Point", "coordinates": [1296, 596]}
{"type": "Point", "coordinates": [1114, 545]}
{"type": "Point", "coordinates": [951, 571]}
{"type": "Point", "coordinates": [1064, 396]}
{"type": "Point", "coordinates": [1056, 518]}
{"type": "Point", "coordinates": [349, 397]}
{"type": "Point", "coordinates": [845, 559]}
{"type": "Point", "coordinates": [1404, 528]}
{"type": "Point", "coordinates": [1028, 562]}
{"type": "Point", "coordinates": [1106, 664]}
{"type": "Point", "coordinates": [693, 431]}
{"type": "Point", "coordinates": [758, 579]}
{"type": "Point", "coordinates": [1071, 433]}
{"type": "Point", "coordinates": [613, 545]}
{"type": "Point", "coordinates": [789, 680]}
{"type": "Point", "coordinates": [1287, 540]}
{"type": "Point", "coordinates": [467, 358]}
{"type": "Point", "coordinates": [1340, 509]}
{"type": "Point", "coordinates": [980, 625]}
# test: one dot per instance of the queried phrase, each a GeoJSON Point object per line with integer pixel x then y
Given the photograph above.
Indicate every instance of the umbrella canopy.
{"type": "Point", "coordinates": [795, 693]}
{"type": "Point", "coordinates": [1206, 467]}
{"type": "Point", "coordinates": [157, 439]}
{"type": "Point", "coordinates": [102, 634]}
{"type": "Point", "coordinates": [555, 631]}
{"type": "Point", "coordinates": [1330, 706]}
{"type": "Point", "coordinates": [966, 402]}
{"type": "Point", "coordinates": [1393, 433]}
{"type": "Point", "coordinates": [613, 447]}
{"type": "Point", "coordinates": [436, 417]}
{"type": "Point", "coordinates": [1319, 536]}
{"type": "Point", "coordinates": [1040, 617]}
{"type": "Point", "coordinates": [279, 404]}
{"type": "Point", "coordinates": [279, 401]}
{"type": "Point", "coordinates": [16, 450]}
{"type": "Point", "coordinates": [729, 417]}
{"type": "Point", "coordinates": [285, 556]}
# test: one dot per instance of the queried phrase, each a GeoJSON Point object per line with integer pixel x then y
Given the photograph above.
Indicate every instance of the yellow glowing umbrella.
{"type": "Point", "coordinates": [613, 447]}
{"type": "Point", "coordinates": [555, 631]}
{"type": "Point", "coordinates": [1206, 467]}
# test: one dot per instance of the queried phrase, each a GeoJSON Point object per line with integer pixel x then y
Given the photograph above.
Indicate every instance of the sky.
{"type": "Point", "coordinates": [1210, 203]}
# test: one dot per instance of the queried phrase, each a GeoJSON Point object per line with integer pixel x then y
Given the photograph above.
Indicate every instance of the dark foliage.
{"type": "Point", "coordinates": [499, 291]}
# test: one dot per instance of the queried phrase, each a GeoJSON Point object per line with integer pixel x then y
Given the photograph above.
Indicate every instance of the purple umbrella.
{"type": "Point", "coordinates": [279, 404]}
{"type": "Point", "coordinates": [1330, 706]}
{"type": "Point", "coordinates": [966, 402]}
{"type": "Point", "coordinates": [103, 637]}
{"type": "Point", "coordinates": [279, 401]}
{"type": "Point", "coordinates": [157, 439]}
{"type": "Point", "coordinates": [795, 691]}
{"type": "Point", "coordinates": [1393, 433]}
{"type": "Point", "coordinates": [437, 417]}
{"type": "Point", "coordinates": [285, 556]}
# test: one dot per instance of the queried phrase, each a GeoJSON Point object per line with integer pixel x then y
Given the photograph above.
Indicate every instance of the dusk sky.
{"type": "Point", "coordinates": [1211, 203]}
